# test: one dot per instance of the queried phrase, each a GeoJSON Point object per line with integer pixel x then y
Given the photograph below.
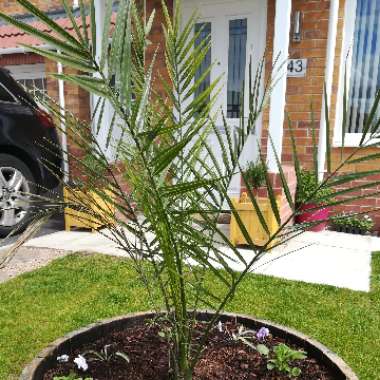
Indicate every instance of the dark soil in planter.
{"type": "Point", "coordinates": [223, 358]}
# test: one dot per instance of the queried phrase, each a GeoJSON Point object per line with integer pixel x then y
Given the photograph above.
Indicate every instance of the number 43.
{"type": "Point", "coordinates": [296, 66]}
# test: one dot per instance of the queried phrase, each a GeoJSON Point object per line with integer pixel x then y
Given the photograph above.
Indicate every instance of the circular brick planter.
{"type": "Point", "coordinates": [47, 358]}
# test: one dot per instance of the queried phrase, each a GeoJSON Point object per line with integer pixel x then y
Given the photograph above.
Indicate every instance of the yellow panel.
{"type": "Point", "coordinates": [251, 221]}
{"type": "Point", "coordinates": [80, 219]}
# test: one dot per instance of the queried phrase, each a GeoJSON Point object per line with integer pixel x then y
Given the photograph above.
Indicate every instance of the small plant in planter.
{"type": "Point", "coordinates": [311, 200]}
{"type": "Point", "coordinates": [366, 225]}
{"type": "Point", "coordinates": [255, 175]}
{"type": "Point", "coordinates": [167, 221]}
{"type": "Point", "coordinates": [283, 358]}
{"type": "Point", "coordinates": [253, 181]}
{"type": "Point", "coordinates": [352, 223]}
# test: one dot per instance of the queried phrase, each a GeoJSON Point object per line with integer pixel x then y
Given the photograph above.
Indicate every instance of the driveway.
{"type": "Point", "coordinates": [26, 258]}
{"type": "Point", "coordinates": [55, 224]}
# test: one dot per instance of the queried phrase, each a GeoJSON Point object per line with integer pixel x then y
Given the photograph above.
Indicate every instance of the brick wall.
{"type": "Point", "coordinates": [372, 201]}
{"type": "Point", "coordinates": [302, 92]}
{"type": "Point", "coordinates": [156, 38]}
{"type": "Point", "coordinates": [77, 101]}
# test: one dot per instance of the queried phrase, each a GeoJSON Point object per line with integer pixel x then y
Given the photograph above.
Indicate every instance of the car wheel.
{"type": "Point", "coordinates": [16, 184]}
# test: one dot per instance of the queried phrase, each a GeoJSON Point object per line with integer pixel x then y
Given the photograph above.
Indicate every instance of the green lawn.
{"type": "Point", "coordinates": [38, 307]}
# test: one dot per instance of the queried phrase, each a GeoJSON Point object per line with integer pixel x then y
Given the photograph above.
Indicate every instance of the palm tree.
{"type": "Point", "coordinates": [167, 221]}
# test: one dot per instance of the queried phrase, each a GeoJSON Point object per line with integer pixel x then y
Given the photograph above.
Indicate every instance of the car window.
{"type": "Point", "coordinates": [15, 88]}
{"type": "Point", "coordinates": [5, 96]}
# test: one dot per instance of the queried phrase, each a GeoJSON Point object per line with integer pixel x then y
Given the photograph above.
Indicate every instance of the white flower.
{"type": "Point", "coordinates": [81, 363]}
{"type": "Point", "coordinates": [220, 326]}
{"type": "Point", "coordinates": [63, 359]}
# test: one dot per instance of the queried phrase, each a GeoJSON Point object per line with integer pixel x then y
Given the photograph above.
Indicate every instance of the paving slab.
{"type": "Point", "coordinates": [320, 264]}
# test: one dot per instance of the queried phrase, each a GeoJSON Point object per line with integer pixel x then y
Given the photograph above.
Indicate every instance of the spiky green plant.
{"type": "Point", "coordinates": [178, 187]}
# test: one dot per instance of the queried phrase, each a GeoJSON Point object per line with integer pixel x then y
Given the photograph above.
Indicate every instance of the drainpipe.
{"type": "Point", "coordinates": [329, 74]}
{"type": "Point", "coordinates": [61, 93]}
{"type": "Point", "coordinates": [100, 10]}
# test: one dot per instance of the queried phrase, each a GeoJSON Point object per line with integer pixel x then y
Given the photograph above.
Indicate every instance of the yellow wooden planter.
{"type": "Point", "coordinates": [251, 221]}
{"type": "Point", "coordinates": [93, 201]}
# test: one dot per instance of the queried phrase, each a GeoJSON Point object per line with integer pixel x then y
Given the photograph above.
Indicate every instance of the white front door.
{"type": "Point", "coordinates": [238, 33]}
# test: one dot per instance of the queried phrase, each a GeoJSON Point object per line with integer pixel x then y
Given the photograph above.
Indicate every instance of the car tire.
{"type": "Point", "coordinates": [16, 179]}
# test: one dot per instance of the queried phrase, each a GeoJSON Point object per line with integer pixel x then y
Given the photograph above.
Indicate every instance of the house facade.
{"type": "Point", "coordinates": [323, 40]}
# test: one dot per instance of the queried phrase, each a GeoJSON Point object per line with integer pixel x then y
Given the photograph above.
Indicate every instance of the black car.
{"type": "Point", "coordinates": [30, 154]}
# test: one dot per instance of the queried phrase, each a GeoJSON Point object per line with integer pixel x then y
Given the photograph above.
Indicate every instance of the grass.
{"type": "Point", "coordinates": [40, 306]}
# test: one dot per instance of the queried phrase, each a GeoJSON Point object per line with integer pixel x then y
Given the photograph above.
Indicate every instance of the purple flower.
{"type": "Point", "coordinates": [262, 334]}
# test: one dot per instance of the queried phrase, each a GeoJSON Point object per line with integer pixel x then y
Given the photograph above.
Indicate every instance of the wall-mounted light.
{"type": "Point", "coordinates": [297, 26]}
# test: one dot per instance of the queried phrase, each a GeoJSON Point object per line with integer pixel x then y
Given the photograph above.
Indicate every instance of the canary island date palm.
{"type": "Point", "coordinates": [167, 220]}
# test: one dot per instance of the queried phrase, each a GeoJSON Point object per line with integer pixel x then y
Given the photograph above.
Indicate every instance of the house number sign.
{"type": "Point", "coordinates": [297, 67]}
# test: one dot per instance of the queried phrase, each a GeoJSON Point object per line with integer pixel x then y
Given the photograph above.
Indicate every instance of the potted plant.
{"type": "Point", "coordinates": [254, 177]}
{"type": "Point", "coordinates": [170, 229]}
{"type": "Point", "coordinates": [253, 180]}
{"type": "Point", "coordinates": [366, 225]}
{"type": "Point", "coordinates": [352, 223]}
{"type": "Point", "coordinates": [264, 190]}
{"type": "Point", "coordinates": [310, 201]}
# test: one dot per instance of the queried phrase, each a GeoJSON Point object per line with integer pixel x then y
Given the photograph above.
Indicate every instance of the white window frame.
{"type": "Point", "coordinates": [350, 139]}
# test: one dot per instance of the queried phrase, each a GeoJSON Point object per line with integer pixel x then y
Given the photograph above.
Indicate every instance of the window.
{"type": "Point", "coordinates": [236, 66]}
{"type": "Point", "coordinates": [36, 87]}
{"type": "Point", "coordinates": [364, 73]}
{"type": "Point", "coordinates": [204, 30]}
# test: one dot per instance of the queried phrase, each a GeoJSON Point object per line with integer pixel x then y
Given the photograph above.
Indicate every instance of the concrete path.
{"type": "Point", "coordinates": [328, 257]}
